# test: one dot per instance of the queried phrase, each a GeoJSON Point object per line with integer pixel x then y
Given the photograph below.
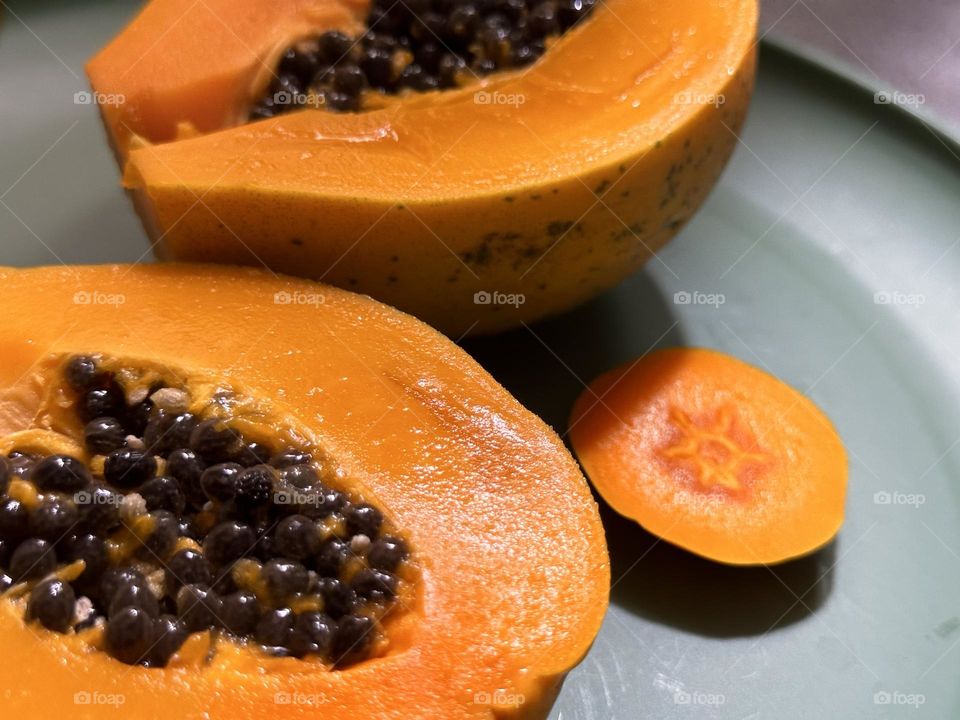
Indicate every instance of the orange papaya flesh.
{"type": "Point", "coordinates": [475, 208]}
{"type": "Point", "coordinates": [713, 455]}
{"type": "Point", "coordinates": [507, 576]}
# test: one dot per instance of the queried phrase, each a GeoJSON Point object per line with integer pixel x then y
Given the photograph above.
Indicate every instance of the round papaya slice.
{"type": "Point", "coordinates": [713, 455]}
{"type": "Point", "coordinates": [228, 494]}
{"type": "Point", "coordinates": [497, 161]}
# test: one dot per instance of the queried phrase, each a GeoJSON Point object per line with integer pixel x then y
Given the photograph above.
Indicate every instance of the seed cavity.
{"type": "Point", "coordinates": [182, 523]}
{"type": "Point", "coordinates": [415, 46]}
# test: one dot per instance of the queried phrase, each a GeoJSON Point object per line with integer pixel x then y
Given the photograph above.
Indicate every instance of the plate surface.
{"type": "Point", "coordinates": [828, 254]}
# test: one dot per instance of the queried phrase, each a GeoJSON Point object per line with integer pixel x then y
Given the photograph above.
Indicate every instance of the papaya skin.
{"type": "Point", "coordinates": [613, 140]}
{"type": "Point", "coordinates": [713, 455]}
{"type": "Point", "coordinates": [513, 570]}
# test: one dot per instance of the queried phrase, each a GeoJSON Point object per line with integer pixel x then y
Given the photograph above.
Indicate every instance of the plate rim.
{"type": "Point", "coordinates": [864, 85]}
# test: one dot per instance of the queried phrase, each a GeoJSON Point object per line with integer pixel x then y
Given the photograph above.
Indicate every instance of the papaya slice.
{"type": "Point", "coordinates": [713, 455]}
{"type": "Point", "coordinates": [497, 201]}
{"type": "Point", "coordinates": [267, 496]}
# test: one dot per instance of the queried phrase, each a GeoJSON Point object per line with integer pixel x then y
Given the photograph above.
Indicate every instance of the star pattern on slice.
{"type": "Point", "coordinates": [711, 468]}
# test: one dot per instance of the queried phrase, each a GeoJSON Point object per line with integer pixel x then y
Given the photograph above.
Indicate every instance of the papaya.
{"type": "Point", "coordinates": [482, 182]}
{"type": "Point", "coordinates": [231, 494]}
{"type": "Point", "coordinates": [713, 455]}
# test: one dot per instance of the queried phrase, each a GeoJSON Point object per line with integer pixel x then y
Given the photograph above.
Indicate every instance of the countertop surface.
{"type": "Point", "coordinates": [911, 47]}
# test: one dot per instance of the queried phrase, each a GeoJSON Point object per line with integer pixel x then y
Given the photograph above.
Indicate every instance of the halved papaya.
{"type": "Point", "coordinates": [478, 207]}
{"type": "Point", "coordinates": [274, 497]}
{"type": "Point", "coordinates": [713, 455]}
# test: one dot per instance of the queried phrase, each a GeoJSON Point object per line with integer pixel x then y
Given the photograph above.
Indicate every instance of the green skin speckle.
{"type": "Point", "coordinates": [601, 188]}
{"type": "Point", "coordinates": [498, 246]}
{"type": "Point", "coordinates": [633, 230]}
{"type": "Point", "coordinates": [520, 251]}
{"type": "Point", "coordinates": [559, 227]}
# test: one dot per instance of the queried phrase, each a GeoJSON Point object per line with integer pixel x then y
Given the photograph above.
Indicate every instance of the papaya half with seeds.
{"type": "Point", "coordinates": [477, 207]}
{"type": "Point", "coordinates": [713, 455]}
{"type": "Point", "coordinates": [182, 446]}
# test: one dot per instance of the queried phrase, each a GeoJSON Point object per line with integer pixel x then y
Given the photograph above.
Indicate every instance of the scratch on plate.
{"type": "Point", "coordinates": [948, 627]}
